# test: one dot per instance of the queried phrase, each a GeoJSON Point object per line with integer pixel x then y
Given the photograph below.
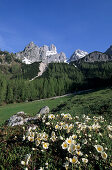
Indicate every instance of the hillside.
{"type": "Point", "coordinates": [57, 79]}
{"type": "Point", "coordinates": [13, 68]}
{"type": "Point", "coordinates": [90, 110]}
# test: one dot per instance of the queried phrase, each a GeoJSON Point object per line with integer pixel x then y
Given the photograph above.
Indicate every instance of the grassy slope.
{"type": "Point", "coordinates": [98, 102]}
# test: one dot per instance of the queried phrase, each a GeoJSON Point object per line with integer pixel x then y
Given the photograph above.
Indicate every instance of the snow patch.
{"type": "Point", "coordinates": [26, 61]}
{"type": "Point", "coordinates": [48, 53]}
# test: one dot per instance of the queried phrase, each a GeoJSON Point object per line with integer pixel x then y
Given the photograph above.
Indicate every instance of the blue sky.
{"type": "Point", "coordinates": [69, 24]}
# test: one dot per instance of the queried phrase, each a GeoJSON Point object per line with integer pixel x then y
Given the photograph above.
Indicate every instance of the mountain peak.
{"type": "Point", "coordinates": [78, 54]}
{"type": "Point", "coordinates": [52, 48]}
{"type": "Point", "coordinates": [30, 45]}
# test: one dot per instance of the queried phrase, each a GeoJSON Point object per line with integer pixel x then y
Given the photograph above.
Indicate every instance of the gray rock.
{"type": "Point", "coordinates": [15, 120]}
{"type": "Point", "coordinates": [44, 110]}
{"type": "Point", "coordinates": [33, 53]}
{"type": "Point", "coordinates": [18, 118]}
{"type": "Point", "coordinates": [96, 56]}
{"type": "Point", "coordinates": [21, 113]}
{"type": "Point", "coordinates": [30, 119]}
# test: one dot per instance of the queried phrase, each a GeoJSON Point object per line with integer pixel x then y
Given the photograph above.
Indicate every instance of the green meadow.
{"type": "Point", "coordinates": [95, 102]}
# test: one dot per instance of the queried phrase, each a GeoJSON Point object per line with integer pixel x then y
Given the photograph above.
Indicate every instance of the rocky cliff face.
{"type": "Point", "coordinates": [78, 54]}
{"type": "Point", "coordinates": [33, 53]}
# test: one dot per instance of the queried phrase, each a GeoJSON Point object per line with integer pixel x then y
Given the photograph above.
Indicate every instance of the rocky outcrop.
{"type": "Point", "coordinates": [20, 118]}
{"type": "Point", "coordinates": [96, 56]}
{"type": "Point", "coordinates": [16, 119]}
{"type": "Point", "coordinates": [33, 53]}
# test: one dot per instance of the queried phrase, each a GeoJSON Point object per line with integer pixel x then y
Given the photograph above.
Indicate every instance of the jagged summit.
{"type": "Point", "coordinates": [78, 54]}
{"type": "Point", "coordinates": [33, 53]}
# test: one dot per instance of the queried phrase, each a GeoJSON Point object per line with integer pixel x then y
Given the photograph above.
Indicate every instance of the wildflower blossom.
{"type": "Point", "coordinates": [99, 148]}
{"type": "Point", "coordinates": [23, 163]}
{"type": "Point", "coordinates": [57, 126]}
{"type": "Point", "coordinates": [84, 160]}
{"type": "Point", "coordinates": [51, 116]}
{"type": "Point", "coordinates": [79, 153]}
{"type": "Point", "coordinates": [45, 145]}
{"type": "Point", "coordinates": [69, 140]}
{"type": "Point", "coordinates": [74, 136]}
{"type": "Point", "coordinates": [78, 147]}
{"type": "Point", "coordinates": [64, 145]}
{"type": "Point", "coordinates": [74, 160]}
{"type": "Point", "coordinates": [104, 155]}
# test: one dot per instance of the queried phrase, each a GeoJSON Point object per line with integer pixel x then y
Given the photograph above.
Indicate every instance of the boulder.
{"type": "Point", "coordinates": [44, 110]}
{"type": "Point", "coordinates": [15, 120]}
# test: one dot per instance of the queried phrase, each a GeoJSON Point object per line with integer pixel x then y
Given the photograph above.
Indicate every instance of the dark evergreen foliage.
{"type": "Point", "coordinates": [58, 79]}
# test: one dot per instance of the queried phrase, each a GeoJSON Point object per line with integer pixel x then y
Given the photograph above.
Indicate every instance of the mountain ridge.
{"type": "Point", "coordinates": [33, 53]}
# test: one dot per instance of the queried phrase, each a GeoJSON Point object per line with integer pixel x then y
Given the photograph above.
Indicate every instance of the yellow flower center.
{"type": "Point", "coordinates": [78, 147]}
{"type": "Point", "coordinates": [45, 145]}
{"type": "Point", "coordinates": [69, 141]}
{"type": "Point", "coordinates": [74, 160]}
{"type": "Point", "coordinates": [65, 145]}
{"type": "Point", "coordinates": [99, 149]}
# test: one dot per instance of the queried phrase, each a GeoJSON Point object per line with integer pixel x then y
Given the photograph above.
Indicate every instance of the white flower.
{"type": "Point", "coordinates": [64, 145]}
{"type": "Point", "coordinates": [57, 126]}
{"type": "Point", "coordinates": [79, 153]}
{"type": "Point", "coordinates": [78, 147]}
{"type": "Point", "coordinates": [69, 140]}
{"type": "Point", "coordinates": [23, 162]}
{"type": "Point", "coordinates": [48, 123]}
{"type": "Point", "coordinates": [53, 138]}
{"type": "Point", "coordinates": [65, 126]}
{"type": "Point", "coordinates": [104, 155]}
{"type": "Point", "coordinates": [74, 136]}
{"type": "Point", "coordinates": [51, 116]}
{"type": "Point", "coordinates": [99, 148]}
{"type": "Point", "coordinates": [31, 139]}
{"type": "Point", "coordinates": [74, 160]}
{"type": "Point", "coordinates": [84, 160]}
{"type": "Point", "coordinates": [45, 145]}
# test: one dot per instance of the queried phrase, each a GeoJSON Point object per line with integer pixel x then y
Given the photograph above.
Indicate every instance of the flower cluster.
{"type": "Point", "coordinates": [77, 141]}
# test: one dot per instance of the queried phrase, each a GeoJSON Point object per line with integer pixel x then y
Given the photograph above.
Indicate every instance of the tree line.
{"type": "Point", "coordinates": [58, 79]}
